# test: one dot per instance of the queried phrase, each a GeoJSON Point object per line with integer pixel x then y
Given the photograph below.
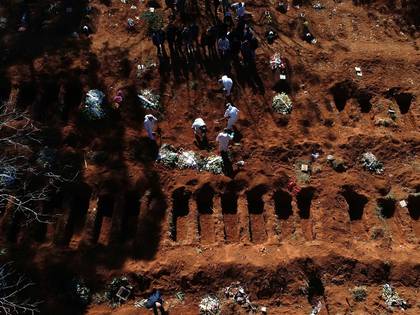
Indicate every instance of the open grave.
{"type": "Point", "coordinates": [363, 97]}
{"type": "Point", "coordinates": [355, 201]}
{"type": "Point", "coordinates": [342, 92]}
{"type": "Point", "coordinates": [315, 288]}
{"type": "Point", "coordinates": [229, 201]}
{"type": "Point", "coordinates": [73, 94]}
{"type": "Point", "coordinates": [283, 204]}
{"type": "Point", "coordinates": [413, 205]}
{"type": "Point", "coordinates": [257, 230]}
{"type": "Point", "coordinates": [79, 207]}
{"type": "Point", "coordinates": [105, 210]}
{"type": "Point", "coordinates": [204, 199]}
{"type": "Point", "coordinates": [304, 201]}
{"type": "Point", "coordinates": [131, 213]}
{"type": "Point", "coordinates": [180, 210]}
{"type": "Point", "coordinates": [386, 207]}
{"type": "Point", "coordinates": [404, 101]}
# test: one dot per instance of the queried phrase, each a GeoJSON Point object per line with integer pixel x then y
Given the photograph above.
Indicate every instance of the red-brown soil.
{"type": "Point", "coordinates": [183, 230]}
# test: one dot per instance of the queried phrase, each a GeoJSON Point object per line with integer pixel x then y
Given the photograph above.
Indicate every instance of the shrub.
{"type": "Point", "coordinates": [359, 293]}
{"type": "Point", "coordinates": [153, 20]}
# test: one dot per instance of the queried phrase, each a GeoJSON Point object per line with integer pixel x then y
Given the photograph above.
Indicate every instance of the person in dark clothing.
{"type": "Point", "coordinates": [155, 302]}
{"type": "Point", "coordinates": [247, 34]}
{"type": "Point", "coordinates": [239, 29]}
{"type": "Point", "coordinates": [222, 29]}
{"type": "Point", "coordinates": [209, 40]}
{"type": "Point", "coordinates": [216, 4]}
{"type": "Point", "coordinates": [223, 46]}
{"type": "Point", "coordinates": [235, 45]}
{"type": "Point", "coordinates": [178, 41]}
{"type": "Point", "coordinates": [207, 5]}
{"type": "Point", "coordinates": [253, 42]}
{"type": "Point", "coordinates": [24, 16]}
{"type": "Point", "coordinates": [158, 39]}
{"type": "Point", "coordinates": [225, 5]}
{"type": "Point", "coordinates": [194, 30]}
{"type": "Point", "coordinates": [227, 19]}
{"type": "Point", "coordinates": [171, 5]}
{"type": "Point", "coordinates": [187, 40]}
{"type": "Point", "coordinates": [180, 5]}
{"type": "Point", "coordinates": [247, 52]}
{"type": "Point", "coordinates": [171, 31]}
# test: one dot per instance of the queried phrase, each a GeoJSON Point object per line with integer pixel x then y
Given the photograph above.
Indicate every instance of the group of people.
{"type": "Point", "coordinates": [180, 39]}
{"type": "Point", "coordinates": [199, 126]}
{"type": "Point", "coordinates": [224, 137]}
{"type": "Point", "coordinates": [230, 39]}
{"type": "Point", "coordinates": [227, 38]}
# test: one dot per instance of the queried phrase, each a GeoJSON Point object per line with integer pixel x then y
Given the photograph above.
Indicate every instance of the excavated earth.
{"type": "Point", "coordinates": [196, 232]}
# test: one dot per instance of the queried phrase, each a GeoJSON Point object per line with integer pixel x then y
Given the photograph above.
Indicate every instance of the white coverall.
{"type": "Point", "coordinates": [223, 138]}
{"type": "Point", "coordinates": [149, 125]}
{"type": "Point", "coordinates": [199, 122]}
{"type": "Point", "coordinates": [227, 84]}
{"type": "Point", "coordinates": [231, 113]}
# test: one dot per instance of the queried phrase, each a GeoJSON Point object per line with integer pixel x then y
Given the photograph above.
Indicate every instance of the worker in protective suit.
{"type": "Point", "coordinates": [223, 138]}
{"type": "Point", "coordinates": [200, 131]}
{"type": "Point", "coordinates": [227, 84]}
{"type": "Point", "coordinates": [231, 114]}
{"type": "Point", "coordinates": [149, 125]}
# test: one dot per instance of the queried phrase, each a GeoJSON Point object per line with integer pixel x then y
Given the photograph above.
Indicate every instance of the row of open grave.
{"type": "Point", "coordinates": [69, 94]}
{"type": "Point", "coordinates": [204, 215]}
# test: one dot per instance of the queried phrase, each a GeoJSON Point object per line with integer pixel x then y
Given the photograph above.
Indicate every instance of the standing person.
{"type": "Point", "coordinates": [216, 4]}
{"type": "Point", "coordinates": [178, 40]}
{"type": "Point", "coordinates": [231, 114]}
{"type": "Point", "coordinates": [247, 33]}
{"type": "Point", "coordinates": [24, 16]}
{"type": "Point", "coordinates": [211, 40]}
{"type": "Point", "coordinates": [248, 54]}
{"type": "Point", "coordinates": [235, 46]}
{"type": "Point", "coordinates": [240, 9]}
{"type": "Point", "coordinates": [158, 38]}
{"type": "Point", "coordinates": [225, 5]}
{"type": "Point", "coordinates": [227, 18]}
{"type": "Point", "coordinates": [171, 5]}
{"type": "Point", "coordinates": [227, 84]}
{"type": "Point", "coordinates": [155, 302]}
{"type": "Point", "coordinates": [194, 30]}
{"type": "Point", "coordinates": [171, 30]}
{"type": "Point", "coordinates": [223, 138]}
{"type": "Point", "coordinates": [200, 131]}
{"type": "Point", "coordinates": [223, 45]}
{"type": "Point", "coordinates": [149, 125]}
{"type": "Point", "coordinates": [187, 39]}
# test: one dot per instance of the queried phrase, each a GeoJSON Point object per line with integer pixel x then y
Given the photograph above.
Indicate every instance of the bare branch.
{"type": "Point", "coordinates": [12, 287]}
{"type": "Point", "coordinates": [26, 173]}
